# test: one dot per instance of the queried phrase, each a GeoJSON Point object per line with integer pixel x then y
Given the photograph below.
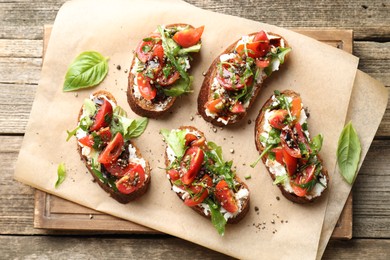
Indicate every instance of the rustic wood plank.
{"type": "Point", "coordinates": [21, 48]}
{"type": "Point", "coordinates": [160, 247]}
{"type": "Point", "coordinates": [384, 127]}
{"type": "Point", "coordinates": [370, 20]}
{"type": "Point", "coordinates": [374, 59]}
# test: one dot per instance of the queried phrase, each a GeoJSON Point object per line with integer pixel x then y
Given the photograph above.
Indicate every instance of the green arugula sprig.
{"type": "Point", "coordinates": [272, 141]}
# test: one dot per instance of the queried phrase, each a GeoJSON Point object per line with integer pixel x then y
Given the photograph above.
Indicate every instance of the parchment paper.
{"type": "Point", "coordinates": [279, 229]}
{"type": "Point", "coordinates": [367, 106]}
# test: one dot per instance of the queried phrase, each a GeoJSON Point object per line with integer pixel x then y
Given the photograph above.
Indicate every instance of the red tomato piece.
{"type": "Point", "coordinates": [261, 36]}
{"type": "Point", "coordinates": [158, 51]}
{"type": "Point", "coordinates": [174, 174]}
{"type": "Point", "coordinates": [262, 63]}
{"type": "Point", "coordinates": [296, 108]}
{"type": "Point", "coordinates": [290, 142]}
{"type": "Point", "coordinates": [225, 196]}
{"type": "Point", "coordinates": [193, 140]}
{"type": "Point", "coordinates": [167, 81]}
{"type": "Point", "coordinates": [237, 108]}
{"type": "Point", "coordinates": [215, 105]}
{"type": "Point", "coordinates": [199, 191]}
{"type": "Point", "coordinates": [232, 81]}
{"type": "Point", "coordinates": [254, 49]}
{"type": "Point", "coordinates": [104, 134]}
{"type": "Point", "coordinates": [145, 50]}
{"type": "Point", "coordinates": [277, 119]}
{"type": "Point", "coordinates": [112, 150]}
{"type": "Point", "coordinates": [103, 116]}
{"type": "Point", "coordinates": [278, 154]}
{"type": "Point", "coordinates": [191, 164]}
{"type": "Point", "coordinates": [290, 162]}
{"type": "Point", "coordinates": [188, 37]}
{"type": "Point", "coordinates": [303, 178]}
{"type": "Point", "coordinates": [301, 136]}
{"type": "Point", "coordinates": [132, 180]}
{"type": "Point", "coordinates": [145, 88]}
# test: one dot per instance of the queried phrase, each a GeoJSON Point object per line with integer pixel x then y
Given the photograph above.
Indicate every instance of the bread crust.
{"type": "Point", "coordinates": [141, 106]}
{"type": "Point", "coordinates": [197, 208]}
{"type": "Point", "coordinates": [120, 197]}
{"type": "Point", "coordinates": [259, 126]}
{"type": "Point", "coordinates": [205, 92]}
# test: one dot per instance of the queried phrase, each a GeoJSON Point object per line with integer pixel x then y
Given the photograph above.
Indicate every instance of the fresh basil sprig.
{"type": "Point", "coordinates": [87, 70]}
{"type": "Point", "coordinates": [175, 140]}
{"type": "Point", "coordinates": [61, 174]}
{"type": "Point", "coordinates": [129, 128]}
{"type": "Point", "coordinates": [348, 153]}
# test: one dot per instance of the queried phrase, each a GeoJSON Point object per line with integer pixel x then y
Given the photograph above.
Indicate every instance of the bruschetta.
{"type": "Point", "coordinates": [104, 141]}
{"type": "Point", "coordinates": [159, 70]}
{"type": "Point", "coordinates": [288, 151]}
{"type": "Point", "coordinates": [202, 179]}
{"type": "Point", "coordinates": [235, 77]}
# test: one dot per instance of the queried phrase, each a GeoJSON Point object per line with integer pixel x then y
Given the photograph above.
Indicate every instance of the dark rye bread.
{"type": "Point", "coordinates": [198, 209]}
{"type": "Point", "coordinates": [142, 106]}
{"type": "Point", "coordinates": [259, 129]}
{"type": "Point", "coordinates": [122, 198]}
{"type": "Point", "coordinates": [205, 92]}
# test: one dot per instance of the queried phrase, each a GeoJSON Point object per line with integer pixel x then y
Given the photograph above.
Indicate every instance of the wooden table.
{"type": "Point", "coordinates": [21, 44]}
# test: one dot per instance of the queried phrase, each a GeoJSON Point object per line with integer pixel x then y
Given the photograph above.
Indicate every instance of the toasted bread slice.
{"type": "Point", "coordinates": [286, 187]}
{"type": "Point", "coordinates": [210, 86]}
{"type": "Point", "coordinates": [240, 193]}
{"type": "Point", "coordinates": [141, 106]}
{"type": "Point", "coordinates": [134, 156]}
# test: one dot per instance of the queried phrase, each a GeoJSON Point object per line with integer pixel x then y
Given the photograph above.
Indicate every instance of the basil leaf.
{"type": "Point", "coordinates": [216, 151]}
{"type": "Point", "coordinates": [217, 219]}
{"type": "Point", "coordinates": [348, 153]}
{"type": "Point", "coordinates": [193, 48]}
{"type": "Point", "coordinates": [176, 140]}
{"type": "Point", "coordinates": [89, 107]}
{"type": "Point", "coordinates": [120, 111]}
{"type": "Point", "coordinates": [87, 70]}
{"type": "Point", "coordinates": [178, 88]}
{"type": "Point", "coordinates": [136, 128]}
{"type": "Point", "coordinates": [61, 174]}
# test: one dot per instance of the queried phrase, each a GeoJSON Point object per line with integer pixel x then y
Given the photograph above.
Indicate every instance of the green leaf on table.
{"type": "Point", "coordinates": [348, 153]}
{"type": "Point", "coordinates": [87, 70]}
{"type": "Point", "coordinates": [61, 174]}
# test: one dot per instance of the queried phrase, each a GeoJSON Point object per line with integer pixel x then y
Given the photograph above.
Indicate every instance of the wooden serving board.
{"type": "Point", "coordinates": [52, 212]}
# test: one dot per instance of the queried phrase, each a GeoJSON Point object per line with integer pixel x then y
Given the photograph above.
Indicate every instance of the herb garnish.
{"type": "Point", "coordinates": [61, 174]}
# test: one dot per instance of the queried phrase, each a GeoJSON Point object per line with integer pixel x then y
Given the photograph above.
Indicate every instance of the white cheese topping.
{"type": "Point", "coordinates": [227, 56]}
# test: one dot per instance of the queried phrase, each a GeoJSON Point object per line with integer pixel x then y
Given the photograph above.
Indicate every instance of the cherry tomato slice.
{"type": "Point", "coordinates": [232, 81]}
{"type": "Point", "coordinates": [147, 91]}
{"type": "Point", "coordinates": [104, 134]}
{"type": "Point", "coordinates": [261, 36]}
{"type": "Point", "coordinates": [290, 162]}
{"type": "Point", "coordinates": [199, 192]}
{"type": "Point", "coordinates": [290, 143]}
{"type": "Point", "coordinates": [296, 107]}
{"type": "Point", "coordinates": [191, 163]}
{"type": "Point", "coordinates": [188, 37]}
{"type": "Point", "coordinates": [277, 118]}
{"type": "Point", "coordinates": [225, 196]}
{"type": "Point", "coordinates": [215, 105]}
{"type": "Point", "coordinates": [119, 168]}
{"type": "Point", "coordinates": [158, 51]}
{"type": "Point", "coordinates": [112, 150]}
{"type": "Point", "coordinates": [303, 178]}
{"type": "Point", "coordinates": [167, 81]}
{"type": "Point", "coordinates": [132, 180]}
{"type": "Point", "coordinates": [193, 140]}
{"type": "Point", "coordinates": [278, 154]}
{"type": "Point", "coordinates": [146, 49]}
{"type": "Point", "coordinates": [237, 108]}
{"type": "Point", "coordinates": [103, 116]}
{"type": "Point", "coordinates": [174, 174]}
{"type": "Point", "coordinates": [301, 137]}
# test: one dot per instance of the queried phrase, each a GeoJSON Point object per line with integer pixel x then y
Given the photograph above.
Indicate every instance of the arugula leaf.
{"type": "Point", "coordinates": [271, 142]}
{"type": "Point", "coordinates": [276, 59]}
{"type": "Point", "coordinates": [193, 48]}
{"type": "Point", "coordinates": [102, 178]}
{"type": "Point", "coordinates": [72, 133]}
{"type": "Point", "coordinates": [217, 219]}
{"type": "Point", "coordinates": [348, 153]}
{"type": "Point", "coordinates": [176, 140]}
{"type": "Point", "coordinates": [87, 70]}
{"type": "Point", "coordinates": [280, 179]}
{"type": "Point", "coordinates": [85, 123]}
{"type": "Point", "coordinates": [61, 174]}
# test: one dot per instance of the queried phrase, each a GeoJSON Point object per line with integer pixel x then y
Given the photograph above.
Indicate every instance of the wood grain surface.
{"type": "Point", "coordinates": [21, 38]}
